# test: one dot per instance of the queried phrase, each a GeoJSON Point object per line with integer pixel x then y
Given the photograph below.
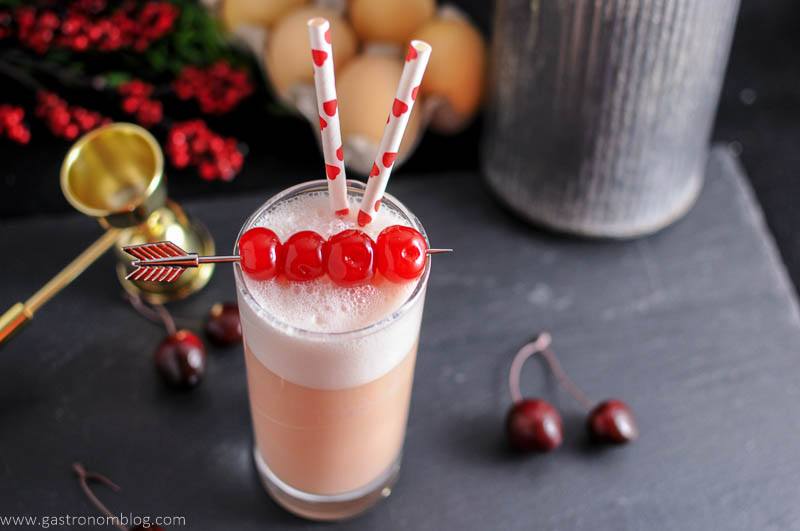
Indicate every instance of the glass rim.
{"type": "Point", "coordinates": [321, 185]}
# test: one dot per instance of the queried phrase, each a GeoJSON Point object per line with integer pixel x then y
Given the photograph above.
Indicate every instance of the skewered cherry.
{"type": "Point", "coordinates": [350, 258]}
{"type": "Point", "coordinates": [401, 253]}
{"type": "Point", "coordinates": [260, 251]}
{"type": "Point", "coordinates": [302, 256]}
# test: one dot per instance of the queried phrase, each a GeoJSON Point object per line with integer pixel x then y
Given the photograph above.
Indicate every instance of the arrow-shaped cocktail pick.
{"type": "Point", "coordinates": [166, 262]}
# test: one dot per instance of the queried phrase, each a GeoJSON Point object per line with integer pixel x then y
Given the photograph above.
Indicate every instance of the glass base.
{"type": "Point", "coordinates": [326, 507]}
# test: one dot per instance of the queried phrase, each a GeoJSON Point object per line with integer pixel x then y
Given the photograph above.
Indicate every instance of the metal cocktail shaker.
{"type": "Point", "coordinates": [601, 110]}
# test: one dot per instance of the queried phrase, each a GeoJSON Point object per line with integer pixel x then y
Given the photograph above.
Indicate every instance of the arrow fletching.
{"type": "Point", "coordinates": [159, 261]}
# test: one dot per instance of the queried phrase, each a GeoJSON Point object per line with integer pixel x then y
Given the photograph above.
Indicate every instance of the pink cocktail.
{"type": "Point", "coordinates": [329, 368]}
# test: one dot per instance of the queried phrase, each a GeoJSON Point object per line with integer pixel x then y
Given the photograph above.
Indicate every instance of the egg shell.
{"type": "Point", "coordinates": [366, 90]}
{"type": "Point", "coordinates": [288, 53]}
{"type": "Point", "coordinates": [389, 20]}
{"type": "Point", "coordinates": [457, 66]}
{"type": "Point", "coordinates": [255, 12]}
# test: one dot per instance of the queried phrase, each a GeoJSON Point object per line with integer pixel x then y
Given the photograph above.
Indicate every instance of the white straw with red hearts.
{"type": "Point", "coordinates": [416, 60]}
{"type": "Point", "coordinates": [319, 33]}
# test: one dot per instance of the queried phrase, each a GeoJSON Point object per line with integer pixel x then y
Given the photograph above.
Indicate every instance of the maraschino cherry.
{"type": "Point", "coordinates": [401, 253]}
{"type": "Point", "coordinates": [260, 252]}
{"type": "Point", "coordinates": [349, 258]}
{"type": "Point", "coordinates": [302, 256]}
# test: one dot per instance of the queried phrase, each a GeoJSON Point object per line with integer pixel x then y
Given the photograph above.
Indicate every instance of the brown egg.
{"type": "Point", "coordinates": [255, 12]}
{"type": "Point", "coordinates": [366, 90]}
{"type": "Point", "coordinates": [455, 71]}
{"type": "Point", "coordinates": [389, 20]}
{"type": "Point", "coordinates": [288, 53]}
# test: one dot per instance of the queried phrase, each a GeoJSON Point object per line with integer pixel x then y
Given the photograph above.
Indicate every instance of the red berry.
{"type": "Point", "coordinates": [401, 253]}
{"type": "Point", "coordinates": [131, 104]}
{"type": "Point", "coordinates": [181, 359]}
{"type": "Point", "coordinates": [302, 256]}
{"type": "Point", "coordinates": [349, 258]}
{"type": "Point", "coordinates": [533, 424]}
{"type": "Point", "coordinates": [223, 326]}
{"type": "Point", "coordinates": [612, 421]}
{"type": "Point", "coordinates": [217, 89]}
{"type": "Point", "coordinates": [260, 250]}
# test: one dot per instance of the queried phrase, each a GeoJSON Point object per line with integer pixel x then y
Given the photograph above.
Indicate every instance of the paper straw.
{"type": "Point", "coordinates": [416, 60]}
{"type": "Point", "coordinates": [319, 33]}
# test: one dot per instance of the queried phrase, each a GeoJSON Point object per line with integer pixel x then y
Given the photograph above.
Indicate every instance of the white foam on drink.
{"type": "Point", "coordinates": [321, 306]}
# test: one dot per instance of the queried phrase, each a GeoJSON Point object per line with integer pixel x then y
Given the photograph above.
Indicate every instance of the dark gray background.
{"type": "Point", "coordinates": [697, 328]}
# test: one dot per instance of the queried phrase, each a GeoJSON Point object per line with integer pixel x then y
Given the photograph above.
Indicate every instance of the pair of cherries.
{"type": "Point", "coordinates": [349, 258]}
{"type": "Point", "coordinates": [533, 424]}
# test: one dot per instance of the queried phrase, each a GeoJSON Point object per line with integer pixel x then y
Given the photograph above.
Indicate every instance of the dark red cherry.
{"type": "Point", "coordinates": [350, 257]}
{"type": "Point", "coordinates": [612, 421]}
{"type": "Point", "coordinates": [302, 256]}
{"type": "Point", "coordinates": [223, 327]}
{"type": "Point", "coordinates": [534, 425]}
{"type": "Point", "coordinates": [260, 253]}
{"type": "Point", "coordinates": [181, 359]}
{"type": "Point", "coordinates": [401, 253]}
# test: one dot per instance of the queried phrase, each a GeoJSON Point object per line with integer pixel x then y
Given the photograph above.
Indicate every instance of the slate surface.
{"type": "Point", "coordinates": [696, 327]}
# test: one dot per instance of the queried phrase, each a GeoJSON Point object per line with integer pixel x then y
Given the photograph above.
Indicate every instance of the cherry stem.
{"type": "Point", "coordinates": [541, 345]}
{"type": "Point", "coordinates": [84, 477]}
{"type": "Point", "coordinates": [154, 312]}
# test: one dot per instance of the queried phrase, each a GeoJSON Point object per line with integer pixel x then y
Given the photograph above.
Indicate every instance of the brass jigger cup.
{"type": "Point", "coordinates": [116, 174]}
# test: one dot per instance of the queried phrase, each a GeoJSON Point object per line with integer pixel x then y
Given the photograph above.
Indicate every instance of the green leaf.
{"type": "Point", "coordinates": [115, 79]}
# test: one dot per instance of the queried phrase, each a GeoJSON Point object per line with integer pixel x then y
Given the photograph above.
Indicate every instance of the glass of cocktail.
{"type": "Point", "coordinates": [329, 368]}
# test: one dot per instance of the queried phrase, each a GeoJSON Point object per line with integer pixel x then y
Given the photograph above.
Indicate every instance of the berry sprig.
{"type": "Point", "coordinates": [82, 28]}
{"type": "Point", "coordinates": [12, 124]}
{"type": "Point", "coordinates": [349, 258]}
{"type": "Point", "coordinates": [136, 101]}
{"type": "Point", "coordinates": [192, 143]}
{"type": "Point", "coordinates": [36, 29]}
{"type": "Point", "coordinates": [217, 89]}
{"type": "Point", "coordinates": [63, 120]}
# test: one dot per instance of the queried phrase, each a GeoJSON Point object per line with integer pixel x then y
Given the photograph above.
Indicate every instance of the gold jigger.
{"type": "Point", "coordinates": [116, 174]}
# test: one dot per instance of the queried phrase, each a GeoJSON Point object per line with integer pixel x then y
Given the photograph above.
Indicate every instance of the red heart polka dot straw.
{"type": "Point", "coordinates": [416, 61]}
{"type": "Point", "coordinates": [319, 33]}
